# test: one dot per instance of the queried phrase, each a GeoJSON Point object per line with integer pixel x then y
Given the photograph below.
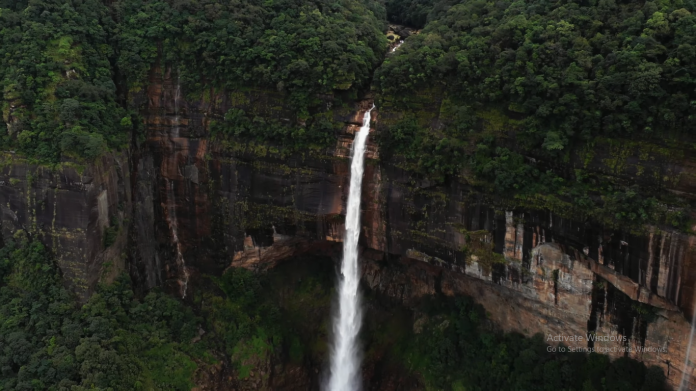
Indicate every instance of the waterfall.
{"type": "Point", "coordinates": [171, 219]}
{"type": "Point", "coordinates": [177, 95]}
{"type": "Point", "coordinates": [686, 376]}
{"type": "Point", "coordinates": [171, 200]}
{"type": "Point", "coordinates": [345, 363]}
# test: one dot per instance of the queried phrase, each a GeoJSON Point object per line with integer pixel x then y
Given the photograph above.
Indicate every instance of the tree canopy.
{"type": "Point", "coordinates": [113, 342]}
{"type": "Point", "coordinates": [529, 86]}
{"type": "Point", "coordinates": [571, 70]}
{"type": "Point", "coordinates": [59, 97]}
{"type": "Point", "coordinates": [66, 66]}
{"type": "Point", "coordinates": [302, 47]}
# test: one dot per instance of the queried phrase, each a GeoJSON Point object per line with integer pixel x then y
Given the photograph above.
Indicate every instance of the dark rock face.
{"type": "Point", "coordinates": [182, 203]}
{"type": "Point", "coordinates": [223, 200]}
{"type": "Point", "coordinates": [71, 209]}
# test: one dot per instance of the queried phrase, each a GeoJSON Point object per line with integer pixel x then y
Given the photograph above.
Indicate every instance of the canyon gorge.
{"type": "Point", "coordinates": [247, 205]}
{"type": "Point", "coordinates": [529, 179]}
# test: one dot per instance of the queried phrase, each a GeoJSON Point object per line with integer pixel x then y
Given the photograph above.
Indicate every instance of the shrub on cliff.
{"type": "Point", "coordinates": [317, 132]}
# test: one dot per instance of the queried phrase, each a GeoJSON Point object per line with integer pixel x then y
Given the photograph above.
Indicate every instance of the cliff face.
{"type": "Point", "coordinates": [80, 212]}
{"type": "Point", "coordinates": [182, 203]}
{"type": "Point", "coordinates": [246, 205]}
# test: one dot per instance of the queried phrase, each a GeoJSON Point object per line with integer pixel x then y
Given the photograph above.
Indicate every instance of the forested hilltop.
{"type": "Point", "coordinates": [57, 80]}
{"type": "Point", "coordinates": [67, 66]}
{"type": "Point", "coordinates": [533, 88]}
{"type": "Point", "coordinates": [573, 71]}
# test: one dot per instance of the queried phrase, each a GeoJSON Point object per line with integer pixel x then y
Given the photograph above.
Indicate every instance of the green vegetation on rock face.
{"type": "Point", "coordinates": [58, 93]}
{"type": "Point", "coordinates": [530, 90]}
{"type": "Point", "coordinates": [278, 316]}
{"type": "Point", "coordinates": [509, 179]}
{"type": "Point", "coordinates": [62, 63]}
{"type": "Point", "coordinates": [319, 131]}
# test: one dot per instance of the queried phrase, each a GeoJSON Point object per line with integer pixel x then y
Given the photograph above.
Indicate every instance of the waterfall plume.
{"type": "Point", "coordinates": [345, 358]}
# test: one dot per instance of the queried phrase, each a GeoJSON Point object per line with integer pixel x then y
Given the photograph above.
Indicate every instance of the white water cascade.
{"type": "Point", "coordinates": [171, 203]}
{"type": "Point", "coordinates": [177, 95]}
{"type": "Point", "coordinates": [345, 361]}
{"type": "Point", "coordinates": [685, 380]}
{"type": "Point", "coordinates": [171, 219]}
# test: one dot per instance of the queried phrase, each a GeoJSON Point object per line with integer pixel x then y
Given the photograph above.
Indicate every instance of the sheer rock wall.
{"type": "Point", "coordinates": [247, 205]}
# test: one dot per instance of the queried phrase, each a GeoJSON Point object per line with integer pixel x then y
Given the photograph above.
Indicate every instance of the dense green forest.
{"type": "Point", "coordinates": [549, 80]}
{"type": "Point", "coordinates": [115, 341]}
{"type": "Point", "coordinates": [455, 350]}
{"type": "Point", "coordinates": [119, 341]}
{"type": "Point", "coordinates": [302, 47]}
{"type": "Point", "coordinates": [56, 78]}
{"type": "Point", "coordinates": [573, 71]}
{"type": "Point", "coordinates": [61, 61]}
{"type": "Point", "coordinates": [529, 86]}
